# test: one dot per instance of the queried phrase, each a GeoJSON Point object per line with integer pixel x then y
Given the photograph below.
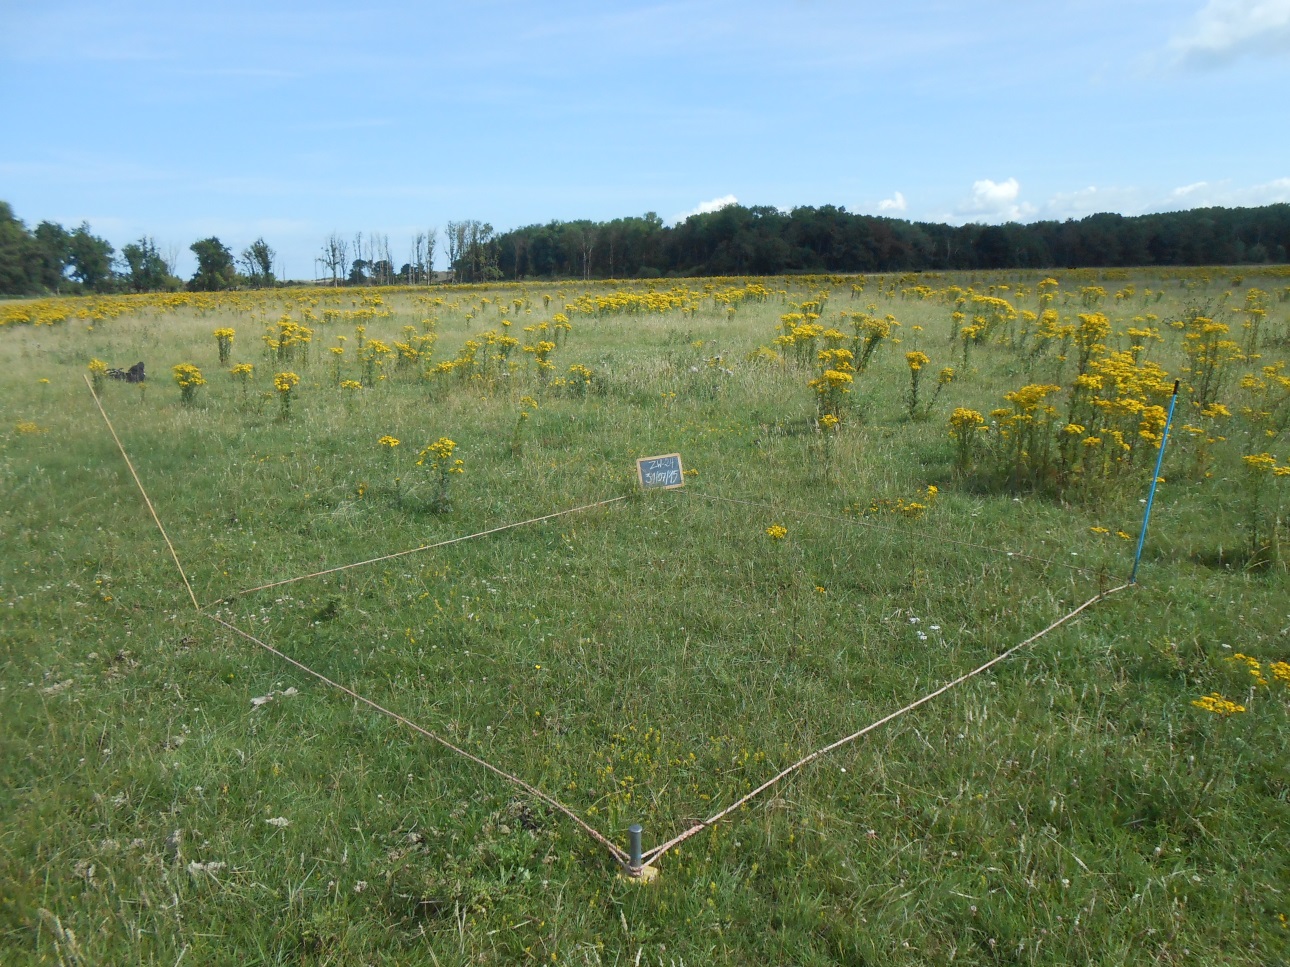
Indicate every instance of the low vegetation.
{"type": "Point", "coordinates": [889, 480]}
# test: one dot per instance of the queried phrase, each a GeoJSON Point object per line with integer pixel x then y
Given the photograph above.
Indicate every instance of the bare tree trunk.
{"type": "Point", "coordinates": [451, 236]}
{"type": "Point", "coordinates": [588, 246]}
{"type": "Point", "coordinates": [519, 254]}
{"type": "Point", "coordinates": [171, 258]}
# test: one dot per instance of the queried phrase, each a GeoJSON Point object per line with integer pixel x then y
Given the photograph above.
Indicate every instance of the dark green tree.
{"type": "Point", "coordinates": [146, 270]}
{"type": "Point", "coordinates": [257, 260]}
{"type": "Point", "coordinates": [215, 269]}
{"type": "Point", "coordinates": [52, 249]}
{"type": "Point", "coordinates": [90, 258]}
{"type": "Point", "coordinates": [15, 253]}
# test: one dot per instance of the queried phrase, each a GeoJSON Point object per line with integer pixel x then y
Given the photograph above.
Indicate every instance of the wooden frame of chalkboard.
{"type": "Point", "coordinates": [660, 473]}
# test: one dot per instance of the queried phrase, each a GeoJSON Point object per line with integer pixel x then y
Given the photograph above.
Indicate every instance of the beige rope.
{"type": "Point", "coordinates": [619, 854]}
{"type": "Point", "coordinates": [537, 793]}
{"type": "Point", "coordinates": [532, 790]}
{"type": "Point", "coordinates": [651, 855]}
{"type": "Point", "coordinates": [418, 550]}
{"type": "Point", "coordinates": [152, 510]}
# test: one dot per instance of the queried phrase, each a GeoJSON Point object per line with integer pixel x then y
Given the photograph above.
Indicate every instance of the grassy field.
{"type": "Point", "coordinates": [174, 793]}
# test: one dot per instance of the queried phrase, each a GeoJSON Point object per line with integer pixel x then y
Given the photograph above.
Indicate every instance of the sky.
{"type": "Point", "coordinates": [289, 121]}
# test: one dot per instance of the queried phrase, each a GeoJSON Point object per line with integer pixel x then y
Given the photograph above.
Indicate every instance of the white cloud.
{"type": "Point", "coordinates": [704, 207]}
{"type": "Point", "coordinates": [1205, 194]}
{"type": "Point", "coordinates": [1225, 30]}
{"type": "Point", "coordinates": [896, 203]}
{"type": "Point", "coordinates": [1139, 201]}
{"type": "Point", "coordinates": [1091, 200]}
{"type": "Point", "coordinates": [995, 201]}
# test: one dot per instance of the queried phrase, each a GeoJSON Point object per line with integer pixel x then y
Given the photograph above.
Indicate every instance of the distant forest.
{"type": "Point", "coordinates": [735, 240]}
{"type": "Point", "coordinates": [766, 241]}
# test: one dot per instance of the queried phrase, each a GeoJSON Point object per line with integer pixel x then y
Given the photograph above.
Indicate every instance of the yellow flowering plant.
{"type": "Point", "coordinates": [188, 378]}
{"type": "Point", "coordinates": [917, 361]}
{"type": "Point", "coordinates": [98, 373]}
{"type": "Point", "coordinates": [1218, 705]}
{"type": "Point", "coordinates": [389, 445]}
{"type": "Point", "coordinates": [966, 429]}
{"type": "Point", "coordinates": [285, 384]}
{"type": "Point", "coordinates": [224, 342]}
{"type": "Point", "coordinates": [439, 459]}
{"type": "Point", "coordinates": [242, 374]}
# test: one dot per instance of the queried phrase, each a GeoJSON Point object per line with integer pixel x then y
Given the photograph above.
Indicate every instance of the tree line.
{"type": "Point", "coordinates": [52, 259]}
{"type": "Point", "coordinates": [736, 240]}
{"type": "Point", "coordinates": [739, 240]}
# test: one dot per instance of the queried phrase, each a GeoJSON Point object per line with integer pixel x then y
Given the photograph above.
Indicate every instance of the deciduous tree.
{"type": "Point", "coordinates": [90, 258]}
{"type": "Point", "coordinates": [146, 269]}
{"type": "Point", "coordinates": [215, 269]}
{"type": "Point", "coordinates": [257, 260]}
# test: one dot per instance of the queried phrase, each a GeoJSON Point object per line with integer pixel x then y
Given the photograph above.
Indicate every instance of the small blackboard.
{"type": "Point", "coordinates": [660, 473]}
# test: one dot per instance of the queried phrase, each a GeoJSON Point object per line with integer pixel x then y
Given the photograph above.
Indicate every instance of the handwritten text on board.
{"type": "Point", "coordinates": [661, 472]}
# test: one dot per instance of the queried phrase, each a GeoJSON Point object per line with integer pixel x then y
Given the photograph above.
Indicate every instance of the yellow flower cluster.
{"type": "Point", "coordinates": [388, 441]}
{"type": "Point", "coordinates": [1218, 705]}
{"type": "Point", "coordinates": [284, 383]}
{"type": "Point", "coordinates": [777, 532]}
{"type": "Point", "coordinates": [1265, 463]}
{"type": "Point", "coordinates": [636, 303]}
{"type": "Point", "coordinates": [187, 375]}
{"type": "Point", "coordinates": [965, 422]}
{"type": "Point", "coordinates": [900, 506]}
{"type": "Point", "coordinates": [438, 452]}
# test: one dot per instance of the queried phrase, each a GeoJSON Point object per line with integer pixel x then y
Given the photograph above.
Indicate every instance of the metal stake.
{"type": "Point", "coordinates": [1151, 495]}
{"type": "Point", "coordinates": [634, 848]}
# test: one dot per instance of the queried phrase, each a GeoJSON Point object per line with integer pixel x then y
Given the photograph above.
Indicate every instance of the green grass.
{"type": "Point", "coordinates": [646, 661]}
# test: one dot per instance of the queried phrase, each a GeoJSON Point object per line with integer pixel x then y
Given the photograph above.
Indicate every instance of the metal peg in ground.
{"type": "Point", "coordinates": [636, 870]}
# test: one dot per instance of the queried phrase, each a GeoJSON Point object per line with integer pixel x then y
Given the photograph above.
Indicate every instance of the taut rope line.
{"type": "Point", "coordinates": [417, 550]}
{"type": "Point", "coordinates": [619, 854]}
{"type": "Point", "coordinates": [152, 510]}
{"type": "Point", "coordinates": [654, 854]}
{"type": "Point", "coordinates": [533, 791]}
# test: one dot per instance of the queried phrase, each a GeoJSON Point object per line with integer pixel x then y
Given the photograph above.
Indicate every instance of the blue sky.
{"type": "Point", "coordinates": [291, 120]}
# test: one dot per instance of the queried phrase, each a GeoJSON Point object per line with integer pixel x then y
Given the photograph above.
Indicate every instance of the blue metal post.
{"type": "Point", "coordinates": [1155, 479]}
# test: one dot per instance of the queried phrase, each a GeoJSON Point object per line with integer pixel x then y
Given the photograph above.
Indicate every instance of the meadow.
{"type": "Point", "coordinates": [889, 480]}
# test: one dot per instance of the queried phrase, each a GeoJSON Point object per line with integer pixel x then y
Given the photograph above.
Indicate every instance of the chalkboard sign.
{"type": "Point", "coordinates": [660, 472]}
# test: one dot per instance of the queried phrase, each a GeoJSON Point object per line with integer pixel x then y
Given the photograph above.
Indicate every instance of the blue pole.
{"type": "Point", "coordinates": [1155, 479]}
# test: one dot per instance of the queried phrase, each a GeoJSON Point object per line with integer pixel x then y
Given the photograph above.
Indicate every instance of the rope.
{"type": "Point", "coordinates": [417, 550]}
{"type": "Point", "coordinates": [532, 790]}
{"type": "Point", "coordinates": [537, 793]}
{"type": "Point", "coordinates": [897, 530]}
{"type": "Point", "coordinates": [152, 510]}
{"type": "Point", "coordinates": [619, 854]}
{"type": "Point", "coordinates": [651, 855]}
